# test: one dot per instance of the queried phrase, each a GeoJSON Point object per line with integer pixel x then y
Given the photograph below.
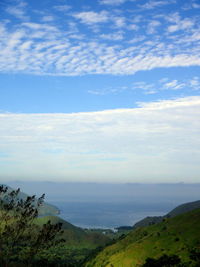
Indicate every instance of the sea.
{"type": "Point", "coordinates": [109, 215]}
{"type": "Point", "coordinates": [104, 205]}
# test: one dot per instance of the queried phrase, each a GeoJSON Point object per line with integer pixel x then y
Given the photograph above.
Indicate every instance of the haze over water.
{"type": "Point", "coordinates": [98, 205]}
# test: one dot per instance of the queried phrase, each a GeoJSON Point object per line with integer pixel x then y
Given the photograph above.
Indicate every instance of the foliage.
{"type": "Point", "coordinates": [21, 240]}
{"type": "Point", "coordinates": [174, 236]}
{"type": "Point", "coordinates": [174, 260]}
{"type": "Point", "coordinates": [195, 256]}
{"type": "Point", "coordinates": [163, 261]}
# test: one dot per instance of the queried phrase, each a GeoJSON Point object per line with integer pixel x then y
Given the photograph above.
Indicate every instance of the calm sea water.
{"type": "Point", "coordinates": [111, 205]}
{"type": "Point", "coordinates": [109, 215]}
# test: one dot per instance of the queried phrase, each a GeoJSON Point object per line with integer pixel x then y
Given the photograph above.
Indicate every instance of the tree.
{"type": "Point", "coordinates": [195, 256]}
{"type": "Point", "coordinates": [163, 261]}
{"type": "Point", "coordinates": [21, 240]}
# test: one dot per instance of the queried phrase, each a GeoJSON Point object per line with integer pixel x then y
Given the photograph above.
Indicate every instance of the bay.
{"type": "Point", "coordinates": [109, 215]}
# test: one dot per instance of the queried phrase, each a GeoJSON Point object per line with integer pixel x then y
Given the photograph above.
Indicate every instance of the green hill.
{"type": "Point", "coordinates": [76, 236]}
{"type": "Point", "coordinates": [150, 220]}
{"type": "Point", "coordinates": [184, 208]}
{"type": "Point", "coordinates": [76, 246]}
{"type": "Point", "coordinates": [178, 210]}
{"type": "Point", "coordinates": [44, 210]}
{"type": "Point", "coordinates": [177, 235]}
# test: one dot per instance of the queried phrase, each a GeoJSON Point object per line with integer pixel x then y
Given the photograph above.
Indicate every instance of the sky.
{"type": "Point", "coordinates": [100, 91]}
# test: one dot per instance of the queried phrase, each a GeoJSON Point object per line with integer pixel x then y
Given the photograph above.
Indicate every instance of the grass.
{"type": "Point", "coordinates": [172, 236]}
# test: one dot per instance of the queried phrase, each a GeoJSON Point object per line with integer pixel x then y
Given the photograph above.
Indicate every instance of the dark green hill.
{"type": "Point", "coordinates": [76, 246]}
{"type": "Point", "coordinates": [26, 238]}
{"type": "Point", "coordinates": [184, 208]}
{"type": "Point", "coordinates": [178, 210]}
{"type": "Point", "coordinates": [177, 235]}
{"type": "Point", "coordinates": [76, 236]}
{"type": "Point", "coordinates": [44, 210]}
{"type": "Point", "coordinates": [150, 220]}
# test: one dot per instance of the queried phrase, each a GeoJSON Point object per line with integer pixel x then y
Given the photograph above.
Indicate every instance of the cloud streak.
{"type": "Point", "coordinates": [158, 141]}
{"type": "Point", "coordinates": [192, 84]}
{"type": "Point", "coordinates": [91, 17]}
{"type": "Point", "coordinates": [112, 2]}
{"type": "Point", "coordinates": [154, 4]}
{"type": "Point", "coordinates": [18, 11]}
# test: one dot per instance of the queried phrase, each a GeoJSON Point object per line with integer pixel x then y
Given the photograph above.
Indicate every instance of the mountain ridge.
{"type": "Point", "coordinates": [180, 209]}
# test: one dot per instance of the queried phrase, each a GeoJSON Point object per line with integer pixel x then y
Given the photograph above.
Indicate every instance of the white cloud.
{"type": "Point", "coordinates": [133, 27]}
{"type": "Point", "coordinates": [112, 2]}
{"type": "Point", "coordinates": [39, 48]}
{"type": "Point", "coordinates": [119, 21]}
{"type": "Point", "coordinates": [159, 142]}
{"type": "Point", "coordinates": [154, 87]}
{"type": "Point", "coordinates": [191, 101]}
{"type": "Point", "coordinates": [57, 55]}
{"type": "Point", "coordinates": [91, 17]}
{"type": "Point", "coordinates": [147, 88]}
{"type": "Point", "coordinates": [142, 85]}
{"type": "Point", "coordinates": [181, 25]}
{"type": "Point", "coordinates": [117, 36]}
{"type": "Point", "coordinates": [48, 18]}
{"type": "Point", "coordinates": [152, 26]}
{"type": "Point", "coordinates": [195, 5]}
{"type": "Point", "coordinates": [173, 85]}
{"type": "Point", "coordinates": [137, 39]}
{"type": "Point", "coordinates": [108, 90]}
{"type": "Point", "coordinates": [62, 8]}
{"type": "Point", "coordinates": [191, 5]}
{"type": "Point", "coordinates": [153, 4]}
{"type": "Point", "coordinates": [167, 84]}
{"type": "Point", "coordinates": [194, 83]}
{"type": "Point", "coordinates": [19, 10]}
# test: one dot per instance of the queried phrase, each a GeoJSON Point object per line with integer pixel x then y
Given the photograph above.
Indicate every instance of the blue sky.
{"type": "Point", "coordinates": [104, 90]}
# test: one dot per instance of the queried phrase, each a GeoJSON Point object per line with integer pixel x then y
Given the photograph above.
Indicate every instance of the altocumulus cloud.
{"type": "Point", "coordinates": [156, 142]}
{"type": "Point", "coordinates": [98, 41]}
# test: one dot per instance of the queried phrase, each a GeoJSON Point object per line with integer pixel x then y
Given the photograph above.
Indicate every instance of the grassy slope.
{"type": "Point", "coordinates": [75, 236]}
{"type": "Point", "coordinates": [173, 236]}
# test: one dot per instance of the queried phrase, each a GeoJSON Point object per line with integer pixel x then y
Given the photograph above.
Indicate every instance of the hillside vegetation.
{"type": "Point", "coordinates": [29, 240]}
{"type": "Point", "coordinates": [76, 237]}
{"type": "Point", "coordinates": [44, 210]}
{"type": "Point", "coordinates": [176, 211]}
{"type": "Point", "coordinates": [173, 236]}
{"type": "Point", "coordinates": [184, 208]}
